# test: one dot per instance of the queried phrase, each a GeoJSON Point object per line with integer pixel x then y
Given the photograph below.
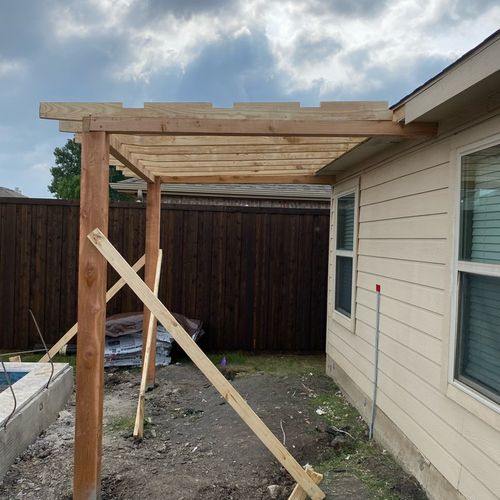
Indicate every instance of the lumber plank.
{"type": "Point", "coordinates": [235, 156]}
{"type": "Point", "coordinates": [63, 341]}
{"type": "Point", "coordinates": [152, 245]}
{"type": "Point", "coordinates": [139, 417]}
{"type": "Point", "coordinates": [172, 140]}
{"type": "Point", "coordinates": [15, 359]}
{"type": "Point", "coordinates": [236, 163]}
{"type": "Point", "coordinates": [298, 492]}
{"type": "Point", "coordinates": [278, 110]}
{"type": "Point", "coordinates": [238, 149]}
{"type": "Point", "coordinates": [257, 127]}
{"type": "Point", "coordinates": [339, 110]}
{"type": "Point", "coordinates": [250, 179]}
{"type": "Point", "coordinates": [167, 172]}
{"type": "Point", "coordinates": [76, 110]}
{"type": "Point", "coordinates": [94, 202]}
{"type": "Point", "coordinates": [205, 365]}
{"type": "Point", "coordinates": [114, 149]}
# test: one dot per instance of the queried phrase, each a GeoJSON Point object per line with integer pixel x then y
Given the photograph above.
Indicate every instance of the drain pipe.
{"type": "Point", "coordinates": [375, 362]}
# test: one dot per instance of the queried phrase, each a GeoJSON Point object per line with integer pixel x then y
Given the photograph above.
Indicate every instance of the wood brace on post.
{"type": "Point", "coordinates": [230, 394]}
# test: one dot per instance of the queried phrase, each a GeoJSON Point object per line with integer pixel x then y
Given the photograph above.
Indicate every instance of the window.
{"type": "Point", "coordinates": [477, 362]}
{"type": "Point", "coordinates": [344, 253]}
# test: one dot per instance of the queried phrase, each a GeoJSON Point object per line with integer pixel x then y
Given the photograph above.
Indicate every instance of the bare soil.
{"type": "Point", "coordinates": [195, 446]}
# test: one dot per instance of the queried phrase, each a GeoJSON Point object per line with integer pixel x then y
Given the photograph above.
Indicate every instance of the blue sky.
{"type": "Point", "coordinates": [213, 50]}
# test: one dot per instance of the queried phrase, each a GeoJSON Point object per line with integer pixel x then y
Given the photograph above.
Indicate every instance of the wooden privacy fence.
{"type": "Point", "coordinates": [257, 277]}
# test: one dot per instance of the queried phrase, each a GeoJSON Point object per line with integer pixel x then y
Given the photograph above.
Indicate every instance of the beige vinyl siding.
{"type": "Point", "coordinates": [404, 245]}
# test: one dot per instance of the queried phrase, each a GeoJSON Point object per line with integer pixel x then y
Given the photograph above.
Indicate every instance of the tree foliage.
{"type": "Point", "coordinates": [65, 183]}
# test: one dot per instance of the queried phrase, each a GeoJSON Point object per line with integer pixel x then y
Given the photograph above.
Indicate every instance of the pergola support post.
{"type": "Point", "coordinates": [153, 216]}
{"type": "Point", "coordinates": [94, 201]}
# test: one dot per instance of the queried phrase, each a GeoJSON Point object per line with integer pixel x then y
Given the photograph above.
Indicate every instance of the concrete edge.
{"type": "Point", "coordinates": [390, 437]}
{"type": "Point", "coordinates": [34, 417]}
{"type": "Point", "coordinates": [28, 387]}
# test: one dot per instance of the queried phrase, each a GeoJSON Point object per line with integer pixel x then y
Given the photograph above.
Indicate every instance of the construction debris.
{"type": "Point", "coordinates": [124, 339]}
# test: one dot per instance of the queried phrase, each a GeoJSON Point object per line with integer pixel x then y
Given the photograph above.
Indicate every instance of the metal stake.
{"type": "Point", "coordinates": [375, 362]}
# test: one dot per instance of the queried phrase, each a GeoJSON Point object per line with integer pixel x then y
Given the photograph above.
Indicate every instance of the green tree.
{"type": "Point", "coordinates": [65, 183]}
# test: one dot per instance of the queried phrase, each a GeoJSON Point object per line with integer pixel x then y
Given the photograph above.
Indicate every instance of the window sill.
{"type": "Point", "coordinates": [347, 323]}
{"type": "Point", "coordinates": [483, 408]}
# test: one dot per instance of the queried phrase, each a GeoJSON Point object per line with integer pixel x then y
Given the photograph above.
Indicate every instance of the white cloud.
{"type": "Point", "coordinates": [396, 35]}
{"type": "Point", "coordinates": [11, 67]}
{"type": "Point", "coordinates": [396, 38]}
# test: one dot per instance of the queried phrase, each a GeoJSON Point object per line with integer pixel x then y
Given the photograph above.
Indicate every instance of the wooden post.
{"type": "Point", "coordinates": [91, 318]}
{"type": "Point", "coordinates": [153, 212]}
{"type": "Point", "coordinates": [139, 417]}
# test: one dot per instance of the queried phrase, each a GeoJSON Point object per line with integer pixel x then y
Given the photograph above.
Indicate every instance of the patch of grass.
{"type": "Point", "coordinates": [34, 358]}
{"type": "Point", "coordinates": [364, 459]}
{"type": "Point", "coordinates": [274, 364]}
{"type": "Point", "coordinates": [121, 424]}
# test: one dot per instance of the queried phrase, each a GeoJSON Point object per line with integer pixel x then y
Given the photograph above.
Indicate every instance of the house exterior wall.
{"type": "Point", "coordinates": [408, 205]}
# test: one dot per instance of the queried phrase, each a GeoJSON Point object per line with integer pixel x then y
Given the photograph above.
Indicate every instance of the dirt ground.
{"type": "Point", "coordinates": [196, 447]}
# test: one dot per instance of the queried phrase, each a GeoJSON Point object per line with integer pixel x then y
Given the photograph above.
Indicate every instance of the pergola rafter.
{"type": "Point", "coordinates": [193, 141]}
{"type": "Point", "coordinates": [250, 143]}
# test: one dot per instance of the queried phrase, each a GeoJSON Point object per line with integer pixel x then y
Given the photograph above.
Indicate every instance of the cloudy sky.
{"type": "Point", "coordinates": [213, 50]}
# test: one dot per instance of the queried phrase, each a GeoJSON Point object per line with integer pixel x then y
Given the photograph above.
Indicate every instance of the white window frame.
{"type": "Point", "coordinates": [351, 187]}
{"type": "Point", "coordinates": [458, 267]}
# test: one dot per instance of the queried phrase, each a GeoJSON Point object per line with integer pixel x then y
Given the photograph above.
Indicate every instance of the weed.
{"type": "Point", "coordinates": [362, 458]}
{"type": "Point", "coordinates": [121, 423]}
{"type": "Point", "coordinates": [280, 365]}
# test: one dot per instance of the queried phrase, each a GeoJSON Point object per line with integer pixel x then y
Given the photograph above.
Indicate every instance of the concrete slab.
{"type": "Point", "coordinates": [37, 406]}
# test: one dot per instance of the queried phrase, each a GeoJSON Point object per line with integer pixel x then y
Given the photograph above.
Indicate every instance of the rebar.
{"type": "Point", "coordinates": [45, 347]}
{"type": "Point", "coordinates": [13, 395]}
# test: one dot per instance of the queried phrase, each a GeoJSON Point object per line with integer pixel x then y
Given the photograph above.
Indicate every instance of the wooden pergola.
{"type": "Point", "coordinates": [255, 143]}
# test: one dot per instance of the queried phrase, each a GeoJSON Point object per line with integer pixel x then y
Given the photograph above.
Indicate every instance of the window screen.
{"type": "Point", "coordinates": [478, 347]}
{"type": "Point", "coordinates": [344, 254]}
{"type": "Point", "coordinates": [480, 206]}
{"type": "Point", "coordinates": [345, 222]}
{"type": "Point", "coordinates": [478, 360]}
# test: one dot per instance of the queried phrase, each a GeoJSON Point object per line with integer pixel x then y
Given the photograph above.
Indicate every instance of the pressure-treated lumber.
{"type": "Point", "coordinates": [250, 179]}
{"type": "Point", "coordinates": [289, 150]}
{"type": "Point", "coordinates": [257, 127]}
{"type": "Point", "coordinates": [123, 158]}
{"type": "Point", "coordinates": [63, 341]}
{"type": "Point", "coordinates": [236, 164]}
{"type": "Point", "coordinates": [205, 365]}
{"type": "Point", "coordinates": [229, 141]}
{"type": "Point", "coordinates": [152, 245]}
{"type": "Point", "coordinates": [238, 178]}
{"type": "Point", "coordinates": [333, 110]}
{"type": "Point", "coordinates": [150, 333]}
{"type": "Point", "coordinates": [91, 318]}
{"type": "Point", "coordinates": [298, 492]}
{"type": "Point", "coordinates": [195, 158]}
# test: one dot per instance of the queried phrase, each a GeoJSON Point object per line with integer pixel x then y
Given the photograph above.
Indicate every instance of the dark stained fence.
{"type": "Point", "coordinates": [255, 276]}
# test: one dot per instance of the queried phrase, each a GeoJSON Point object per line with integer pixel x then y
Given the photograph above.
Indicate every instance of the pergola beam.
{"type": "Point", "coordinates": [229, 141]}
{"type": "Point", "coordinates": [114, 149]}
{"type": "Point", "coordinates": [257, 127]}
{"type": "Point", "coordinates": [235, 164]}
{"type": "Point", "coordinates": [231, 149]}
{"type": "Point", "coordinates": [251, 179]}
{"type": "Point", "coordinates": [236, 157]}
{"type": "Point", "coordinates": [350, 110]}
